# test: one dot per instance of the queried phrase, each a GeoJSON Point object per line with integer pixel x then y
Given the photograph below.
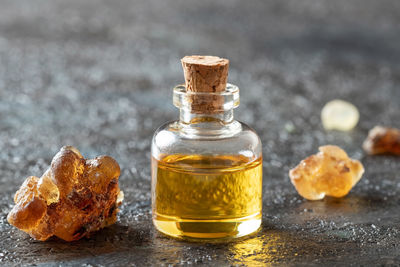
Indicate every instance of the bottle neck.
{"type": "Point", "coordinates": [207, 114]}
{"type": "Point", "coordinates": [189, 117]}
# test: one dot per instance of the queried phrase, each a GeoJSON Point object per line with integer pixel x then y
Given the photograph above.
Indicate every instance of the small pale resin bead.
{"type": "Point", "coordinates": [339, 115]}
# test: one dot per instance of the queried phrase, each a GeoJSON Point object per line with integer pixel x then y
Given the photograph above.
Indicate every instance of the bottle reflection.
{"type": "Point", "coordinates": [257, 250]}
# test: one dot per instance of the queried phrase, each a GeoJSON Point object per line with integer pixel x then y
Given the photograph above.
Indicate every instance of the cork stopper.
{"type": "Point", "coordinates": [205, 74]}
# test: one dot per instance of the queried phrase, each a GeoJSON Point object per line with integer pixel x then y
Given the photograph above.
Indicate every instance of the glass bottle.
{"type": "Point", "coordinates": [206, 170]}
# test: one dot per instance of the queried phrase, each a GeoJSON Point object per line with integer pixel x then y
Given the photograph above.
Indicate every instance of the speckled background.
{"type": "Point", "coordinates": [98, 75]}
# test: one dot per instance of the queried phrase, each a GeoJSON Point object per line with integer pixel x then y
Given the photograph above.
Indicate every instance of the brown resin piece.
{"type": "Point", "coordinates": [330, 172]}
{"type": "Point", "coordinates": [73, 198]}
{"type": "Point", "coordinates": [205, 77]}
{"type": "Point", "coordinates": [383, 140]}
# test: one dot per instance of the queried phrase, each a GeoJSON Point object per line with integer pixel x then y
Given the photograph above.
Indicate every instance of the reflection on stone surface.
{"type": "Point", "coordinates": [256, 250]}
{"type": "Point", "coordinates": [352, 205]}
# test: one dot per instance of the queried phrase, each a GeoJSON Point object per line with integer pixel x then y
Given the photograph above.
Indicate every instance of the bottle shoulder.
{"type": "Point", "coordinates": [235, 129]}
{"type": "Point", "coordinates": [170, 138]}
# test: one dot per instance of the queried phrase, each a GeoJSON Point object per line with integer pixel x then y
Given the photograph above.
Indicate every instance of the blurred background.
{"type": "Point", "coordinates": [99, 75]}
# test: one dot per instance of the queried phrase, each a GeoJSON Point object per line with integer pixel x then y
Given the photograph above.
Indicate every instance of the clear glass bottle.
{"type": "Point", "coordinates": [206, 170]}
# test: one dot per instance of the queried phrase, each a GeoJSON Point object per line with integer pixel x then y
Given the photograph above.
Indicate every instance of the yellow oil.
{"type": "Point", "coordinates": [206, 197]}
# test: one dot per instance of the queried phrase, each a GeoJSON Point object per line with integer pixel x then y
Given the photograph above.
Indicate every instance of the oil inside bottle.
{"type": "Point", "coordinates": [207, 197]}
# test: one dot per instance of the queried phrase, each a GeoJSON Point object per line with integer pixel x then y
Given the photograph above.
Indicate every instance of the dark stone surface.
{"type": "Point", "coordinates": [98, 75]}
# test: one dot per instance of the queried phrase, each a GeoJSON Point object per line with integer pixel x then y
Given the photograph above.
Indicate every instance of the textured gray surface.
{"type": "Point", "coordinates": [98, 75]}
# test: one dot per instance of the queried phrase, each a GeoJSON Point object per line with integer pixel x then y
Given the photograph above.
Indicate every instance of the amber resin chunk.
{"type": "Point", "coordinates": [73, 198]}
{"type": "Point", "coordinates": [330, 172]}
{"type": "Point", "coordinates": [382, 140]}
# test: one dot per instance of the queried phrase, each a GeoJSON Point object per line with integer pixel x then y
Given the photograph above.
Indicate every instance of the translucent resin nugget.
{"type": "Point", "coordinates": [330, 172]}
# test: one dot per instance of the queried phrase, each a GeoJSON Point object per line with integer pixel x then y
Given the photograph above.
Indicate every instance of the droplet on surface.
{"type": "Point", "coordinates": [339, 115]}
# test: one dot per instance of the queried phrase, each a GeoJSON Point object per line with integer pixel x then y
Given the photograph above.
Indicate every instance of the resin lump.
{"type": "Point", "coordinates": [339, 115]}
{"type": "Point", "coordinates": [382, 140]}
{"type": "Point", "coordinates": [330, 172]}
{"type": "Point", "coordinates": [73, 198]}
